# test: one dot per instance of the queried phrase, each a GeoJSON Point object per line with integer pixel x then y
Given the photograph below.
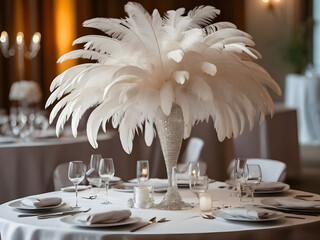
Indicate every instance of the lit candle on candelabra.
{"type": "Point", "coordinates": [8, 51]}
{"type": "Point", "coordinates": [20, 43]}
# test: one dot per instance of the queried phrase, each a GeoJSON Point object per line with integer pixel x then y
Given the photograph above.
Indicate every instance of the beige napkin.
{"type": "Point", "coordinates": [270, 186]}
{"type": "Point", "coordinates": [105, 217]}
{"type": "Point", "coordinates": [249, 213]}
{"type": "Point", "coordinates": [291, 202]}
{"type": "Point", "coordinates": [41, 202]}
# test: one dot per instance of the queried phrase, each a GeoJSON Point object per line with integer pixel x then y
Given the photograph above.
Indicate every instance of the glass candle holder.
{"type": "Point", "coordinates": [142, 171]}
{"type": "Point", "coordinates": [143, 197]}
{"type": "Point", "coordinates": [205, 201]}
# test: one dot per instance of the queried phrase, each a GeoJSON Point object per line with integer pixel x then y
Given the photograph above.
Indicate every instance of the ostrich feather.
{"type": "Point", "coordinates": [145, 62]}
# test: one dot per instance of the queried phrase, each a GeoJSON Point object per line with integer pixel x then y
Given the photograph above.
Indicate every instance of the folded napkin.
{"type": "Point", "coordinates": [249, 213]}
{"type": "Point", "coordinates": [291, 202]}
{"type": "Point", "coordinates": [41, 202]}
{"type": "Point", "coordinates": [104, 217]}
{"type": "Point", "coordinates": [270, 186]}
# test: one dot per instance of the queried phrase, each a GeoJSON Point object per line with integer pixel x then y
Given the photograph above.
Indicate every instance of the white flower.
{"type": "Point", "coordinates": [145, 62]}
{"type": "Point", "coordinates": [24, 90]}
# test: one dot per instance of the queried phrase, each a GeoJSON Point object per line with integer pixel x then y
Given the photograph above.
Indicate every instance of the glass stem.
{"type": "Point", "coordinates": [107, 188]}
{"type": "Point", "coordinates": [76, 187]}
{"type": "Point", "coordinates": [252, 196]}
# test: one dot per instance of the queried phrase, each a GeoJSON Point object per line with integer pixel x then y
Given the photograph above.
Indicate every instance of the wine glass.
{"type": "Point", "coordinates": [93, 173]}
{"type": "Point", "coordinates": [253, 178]}
{"type": "Point", "coordinates": [194, 169]}
{"type": "Point", "coordinates": [198, 184]}
{"type": "Point", "coordinates": [142, 171]}
{"type": "Point", "coordinates": [76, 173]}
{"type": "Point", "coordinates": [106, 172]}
{"type": "Point", "coordinates": [239, 170]}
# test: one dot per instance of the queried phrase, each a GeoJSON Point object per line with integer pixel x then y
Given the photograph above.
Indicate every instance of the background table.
{"type": "Point", "coordinates": [184, 225]}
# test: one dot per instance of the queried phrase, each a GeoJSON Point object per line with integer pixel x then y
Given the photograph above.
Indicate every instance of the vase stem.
{"type": "Point", "coordinates": [170, 131]}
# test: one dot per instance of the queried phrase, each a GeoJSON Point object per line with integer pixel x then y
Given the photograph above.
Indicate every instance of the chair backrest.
{"type": "Point", "coordinates": [192, 154]}
{"type": "Point", "coordinates": [193, 150]}
{"type": "Point", "coordinates": [60, 176]}
{"type": "Point", "coordinates": [272, 170]}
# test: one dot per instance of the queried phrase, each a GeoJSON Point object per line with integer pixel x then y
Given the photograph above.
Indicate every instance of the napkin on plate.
{"type": "Point", "coordinates": [291, 202]}
{"type": "Point", "coordinates": [270, 186]}
{"type": "Point", "coordinates": [249, 213]}
{"type": "Point", "coordinates": [104, 217]}
{"type": "Point", "coordinates": [41, 202]}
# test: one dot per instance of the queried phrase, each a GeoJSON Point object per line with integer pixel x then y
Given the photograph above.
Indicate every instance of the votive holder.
{"type": "Point", "coordinates": [143, 197]}
{"type": "Point", "coordinates": [205, 201]}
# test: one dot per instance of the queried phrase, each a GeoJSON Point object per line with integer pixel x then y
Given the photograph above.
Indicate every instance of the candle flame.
{"type": "Point", "coordinates": [194, 173]}
{"type": "Point", "coordinates": [19, 37]}
{"type": "Point", "coordinates": [36, 37]}
{"type": "Point", "coordinates": [3, 37]}
{"type": "Point", "coordinates": [144, 172]}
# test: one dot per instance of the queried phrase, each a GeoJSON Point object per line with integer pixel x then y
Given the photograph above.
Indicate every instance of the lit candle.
{"type": "Point", "coordinates": [35, 43]}
{"type": "Point", "coordinates": [194, 173]}
{"type": "Point", "coordinates": [205, 201]}
{"type": "Point", "coordinates": [20, 38]}
{"type": "Point", "coordinates": [144, 173]}
{"type": "Point", "coordinates": [20, 43]}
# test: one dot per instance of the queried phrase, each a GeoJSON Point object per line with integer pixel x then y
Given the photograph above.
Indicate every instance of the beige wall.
{"type": "Point", "coordinates": [270, 29]}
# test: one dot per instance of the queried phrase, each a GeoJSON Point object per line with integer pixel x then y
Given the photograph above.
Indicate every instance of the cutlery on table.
{"type": "Point", "coordinates": [60, 214]}
{"type": "Point", "coordinates": [207, 216]}
{"type": "Point", "coordinates": [151, 221]}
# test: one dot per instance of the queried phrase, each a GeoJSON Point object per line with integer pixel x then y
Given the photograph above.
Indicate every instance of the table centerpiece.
{"type": "Point", "coordinates": [169, 72]}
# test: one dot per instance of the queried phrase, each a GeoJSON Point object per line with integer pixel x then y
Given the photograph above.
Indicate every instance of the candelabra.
{"type": "Point", "coordinates": [20, 49]}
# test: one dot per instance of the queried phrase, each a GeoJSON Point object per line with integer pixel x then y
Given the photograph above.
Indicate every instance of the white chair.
{"type": "Point", "coordinates": [60, 177]}
{"type": "Point", "coordinates": [192, 154]}
{"type": "Point", "coordinates": [272, 170]}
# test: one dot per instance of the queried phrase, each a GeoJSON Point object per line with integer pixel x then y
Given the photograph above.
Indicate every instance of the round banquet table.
{"type": "Point", "coordinates": [183, 224]}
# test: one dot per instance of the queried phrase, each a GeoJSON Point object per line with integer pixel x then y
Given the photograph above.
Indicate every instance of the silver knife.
{"type": "Point", "coordinates": [52, 215]}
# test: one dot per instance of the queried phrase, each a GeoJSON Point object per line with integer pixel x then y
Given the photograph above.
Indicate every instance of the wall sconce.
{"type": "Point", "coordinates": [271, 3]}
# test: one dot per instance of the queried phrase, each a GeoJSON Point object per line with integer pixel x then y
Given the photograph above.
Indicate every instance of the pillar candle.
{"type": "Point", "coordinates": [205, 201]}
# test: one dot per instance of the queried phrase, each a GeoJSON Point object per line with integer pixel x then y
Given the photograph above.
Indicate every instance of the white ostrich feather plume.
{"type": "Point", "coordinates": [145, 62]}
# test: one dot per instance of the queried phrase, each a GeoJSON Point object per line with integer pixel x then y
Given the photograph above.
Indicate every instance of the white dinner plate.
{"type": "Point", "coordinates": [73, 221]}
{"type": "Point", "coordinates": [6, 139]}
{"type": "Point", "coordinates": [285, 188]}
{"type": "Point", "coordinates": [73, 189]}
{"type": "Point", "coordinates": [129, 189]}
{"type": "Point", "coordinates": [18, 205]}
{"type": "Point", "coordinates": [223, 215]}
{"type": "Point", "coordinates": [274, 204]}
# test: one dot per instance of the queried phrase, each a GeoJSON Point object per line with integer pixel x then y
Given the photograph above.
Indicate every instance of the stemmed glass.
{"type": "Point", "coordinates": [142, 171]}
{"type": "Point", "coordinates": [76, 173]}
{"type": "Point", "coordinates": [253, 178]}
{"type": "Point", "coordinates": [106, 172]}
{"type": "Point", "coordinates": [198, 184]}
{"type": "Point", "coordinates": [239, 171]}
{"type": "Point", "coordinates": [194, 169]}
{"type": "Point", "coordinates": [93, 173]}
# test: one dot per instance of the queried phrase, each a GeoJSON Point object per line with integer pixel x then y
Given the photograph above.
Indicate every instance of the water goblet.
{"type": "Point", "coordinates": [198, 184]}
{"type": "Point", "coordinates": [93, 172]}
{"type": "Point", "coordinates": [106, 172]}
{"type": "Point", "coordinates": [142, 171]}
{"type": "Point", "coordinates": [76, 173]}
{"type": "Point", "coordinates": [194, 169]}
{"type": "Point", "coordinates": [239, 170]}
{"type": "Point", "coordinates": [253, 176]}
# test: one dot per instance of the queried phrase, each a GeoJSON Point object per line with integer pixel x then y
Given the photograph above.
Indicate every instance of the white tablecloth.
{"type": "Point", "coordinates": [303, 94]}
{"type": "Point", "coordinates": [186, 224]}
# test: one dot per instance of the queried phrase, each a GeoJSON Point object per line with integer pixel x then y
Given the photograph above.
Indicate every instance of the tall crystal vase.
{"type": "Point", "coordinates": [170, 131]}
